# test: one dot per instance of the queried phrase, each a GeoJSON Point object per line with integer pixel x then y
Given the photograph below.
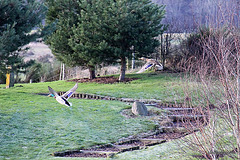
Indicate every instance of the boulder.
{"type": "Point", "coordinates": [138, 108]}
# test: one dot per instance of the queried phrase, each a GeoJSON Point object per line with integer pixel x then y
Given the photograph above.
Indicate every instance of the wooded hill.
{"type": "Point", "coordinates": [186, 15]}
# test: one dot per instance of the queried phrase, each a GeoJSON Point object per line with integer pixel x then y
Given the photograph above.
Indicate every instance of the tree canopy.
{"type": "Point", "coordinates": [91, 32]}
{"type": "Point", "coordinates": [133, 27]}
{"type": "Point", "coordinates": [17, 19]}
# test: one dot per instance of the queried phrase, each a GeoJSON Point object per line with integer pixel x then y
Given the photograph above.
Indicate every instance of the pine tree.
{"type": "Point", "coordinates": [77, 41]}
{"type": "Point", "coordinates": [17, 19]}
{"type": "Point", "coordinates": [90, 32]}
{"type": "Point", "coordinates": [131, 26]}
{"type": "Point", "coordinates": [87, 41]}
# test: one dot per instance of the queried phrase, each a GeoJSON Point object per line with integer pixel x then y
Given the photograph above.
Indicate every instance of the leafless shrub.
{"type": "Point", "coordinates": [215, 62]}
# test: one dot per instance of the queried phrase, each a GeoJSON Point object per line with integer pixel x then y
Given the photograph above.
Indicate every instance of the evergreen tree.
{"type": "Point", "coordinates": [17, 19]}
{"type": "Point", "coordinates": [87, 41]}
{"type": "Point", "coordinates": [76, 41]}
{"type": "Point", "coordinates": [131, 26]}
{"type": "Point", "coordinates": [90, 32]}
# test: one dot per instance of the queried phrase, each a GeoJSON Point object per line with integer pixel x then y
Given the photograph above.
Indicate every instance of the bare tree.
{"type": "Point", "coordinates": [217, 67]}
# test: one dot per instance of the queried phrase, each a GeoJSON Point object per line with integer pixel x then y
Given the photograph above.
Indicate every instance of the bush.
{"type": "Point", "coordinates": [50, 71]}
{"type": "Point", "coordinates": [204, 49]}
{"type": "Point", "coordinates": [33, 73]}
{"type": "Point", "coordinates": [42, 72]}
{"type": "Point", "coordinates": [214, 60]}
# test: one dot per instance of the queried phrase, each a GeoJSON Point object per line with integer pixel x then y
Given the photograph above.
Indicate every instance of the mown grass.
{"type": "Point", "coordinates": [34, 126]}
{"type": "Point", "coordinates": [165, 87]}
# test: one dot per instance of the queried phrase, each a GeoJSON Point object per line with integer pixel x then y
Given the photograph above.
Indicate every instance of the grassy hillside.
{"type": "Point", "coordinates": [34, 126]}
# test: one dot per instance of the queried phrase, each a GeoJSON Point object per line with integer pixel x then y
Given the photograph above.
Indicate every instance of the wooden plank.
{"type": "Point", "coordinates": [124, 148]}
{"type": "Point", "coordinates": [152, 141]}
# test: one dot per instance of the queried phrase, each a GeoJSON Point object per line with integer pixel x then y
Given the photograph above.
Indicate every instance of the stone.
{"type": "Point", "coordinates": [138, 108]}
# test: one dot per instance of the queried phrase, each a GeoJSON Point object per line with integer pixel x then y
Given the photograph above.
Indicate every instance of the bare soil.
{"type": "Point", "coordinates": [81, 154]}
{"type": "Point", "coordinates": [104, 80]}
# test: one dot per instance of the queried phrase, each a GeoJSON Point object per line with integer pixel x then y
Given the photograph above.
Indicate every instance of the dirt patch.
{"type": "Point", "coordinates": [92, 155]}
{"type": "Point", "coordinates": [167, 136]}
{"type": "Point", "coordinates": [104, 80]}
{"type": "Point", "coordinates": [105, 148]}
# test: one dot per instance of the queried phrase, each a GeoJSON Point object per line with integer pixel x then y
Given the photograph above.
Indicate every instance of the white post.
{"type": "Point", "coordinates": [63, 71]}
{"type": "Point", "coordinates": [60, 75]}
{"type": "Point", "coordinates": [133, 60]}
{"type": "Point", "coordinates": [133, 57]}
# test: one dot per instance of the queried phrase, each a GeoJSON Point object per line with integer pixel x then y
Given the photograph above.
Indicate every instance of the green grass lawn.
{"type": "Point", "coordinates": [34, 126]}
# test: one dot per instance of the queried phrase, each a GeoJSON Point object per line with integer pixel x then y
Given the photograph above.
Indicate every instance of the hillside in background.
{"type": "Point", "coordinates": [181, 15]}
{"type": "Point", "coordinates": [37, 51]}
{"type": "Point", "coordinates": [187, 15]}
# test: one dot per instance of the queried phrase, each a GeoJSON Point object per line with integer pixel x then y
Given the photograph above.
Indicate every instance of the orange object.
{"type": "Point", "coordinates": [7, 80]}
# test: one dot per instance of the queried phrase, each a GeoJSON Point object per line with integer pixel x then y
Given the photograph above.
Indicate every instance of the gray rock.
{"type": "Point", "coordinates": [138, 108]}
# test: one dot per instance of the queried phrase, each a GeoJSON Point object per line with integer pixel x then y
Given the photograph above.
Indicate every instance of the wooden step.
{"type": "Point", "coordinates": [108, 153]}
{"type": "Point", "coordinates": [62, 154]}
{"type": "Point", "coordinates": [152, 141]}
{"type": "Point", "coordinates": [178, 109]}
{"type": "Point", "coordinates": [185, 117]}
{"type": "Point", "coordinates": [174, 130]}
{"type": "Point", "coordinates": [127, 142]}
{"type": "Point", "coordinates": [124, 148]}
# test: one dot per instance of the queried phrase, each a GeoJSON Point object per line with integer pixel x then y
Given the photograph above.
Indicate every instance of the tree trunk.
{"type": "Point", "coordinates": [166, 51]}
{"type": "Point", "coordinates": [162, 52]}
{"type": "Point", "coordinates": [123, 69]}
{"type": "Point", "coordinates": [91, 72]}
{"type": "Point", "coordinates": [12, 81]}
